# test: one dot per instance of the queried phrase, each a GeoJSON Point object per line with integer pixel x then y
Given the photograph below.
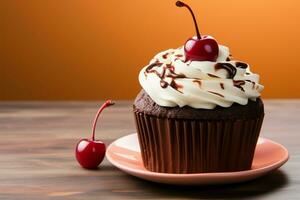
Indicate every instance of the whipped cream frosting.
{"type": "Point", "coordinates": [172, 81]}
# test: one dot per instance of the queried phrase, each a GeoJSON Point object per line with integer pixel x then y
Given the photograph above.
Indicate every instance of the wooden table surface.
{"type": "Point", "coordinates": [37, 141]}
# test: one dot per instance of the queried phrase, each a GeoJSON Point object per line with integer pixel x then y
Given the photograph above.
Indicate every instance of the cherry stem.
{"type": "Point", "coordinates": [105, 105]}
{"type": "Point", "coordinates": [181, 4]}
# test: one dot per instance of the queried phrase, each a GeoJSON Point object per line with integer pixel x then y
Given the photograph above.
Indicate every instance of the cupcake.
{"type": "Point", "coordinates": [199, 110]}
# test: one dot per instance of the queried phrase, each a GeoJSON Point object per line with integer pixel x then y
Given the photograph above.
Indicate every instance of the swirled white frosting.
{"type": "Point", "coordinates": [171, 81]}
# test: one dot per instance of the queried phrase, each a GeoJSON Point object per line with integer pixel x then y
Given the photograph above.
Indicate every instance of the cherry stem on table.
{"type": "Point", "coordinates": [181, 4]}
{"type": "Point", "coordinates": [105, 105]}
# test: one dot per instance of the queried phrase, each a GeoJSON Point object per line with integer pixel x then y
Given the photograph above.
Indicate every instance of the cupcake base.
{"type": "Point", "coordinates": [192, 146]}
{"type": "Point", "coordinates": [187, 140]}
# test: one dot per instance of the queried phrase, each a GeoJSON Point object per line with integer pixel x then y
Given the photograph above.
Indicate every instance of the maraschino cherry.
{"type": "Point", "coordinates": [90, 152]}
{"type": "Point", "coordinates": [199, 48]}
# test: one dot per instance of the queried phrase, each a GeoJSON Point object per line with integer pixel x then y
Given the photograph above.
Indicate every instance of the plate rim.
{"type": "Point", "coordinates": [261, 170]}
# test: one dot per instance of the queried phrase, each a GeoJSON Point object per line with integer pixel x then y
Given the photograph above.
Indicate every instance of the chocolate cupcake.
{"type": "Point", "coordinates": [188, 140]}
{"type": "Point", "coordinates": [195, 115]}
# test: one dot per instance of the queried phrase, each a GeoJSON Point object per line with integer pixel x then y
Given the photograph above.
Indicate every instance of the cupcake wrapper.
{"type": "Point", "coordinates": [194, 146]}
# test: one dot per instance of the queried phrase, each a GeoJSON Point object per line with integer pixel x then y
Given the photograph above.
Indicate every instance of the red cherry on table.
{"type": "Point", "coordinates": [199, 48]}
{"type": "Point", "coordinates": [90, 152]}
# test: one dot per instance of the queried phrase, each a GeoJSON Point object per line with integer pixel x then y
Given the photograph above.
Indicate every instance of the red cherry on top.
{"type": "Point", "coordinates": [90, 152]}
{"type": "Point", "coordinates": [199, 48]}
{"type": "Point", "coordinates": [204, 49]}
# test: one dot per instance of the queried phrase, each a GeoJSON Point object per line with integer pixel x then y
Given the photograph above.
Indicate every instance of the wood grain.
{"type": "Point", "coordinates": [37, 161]}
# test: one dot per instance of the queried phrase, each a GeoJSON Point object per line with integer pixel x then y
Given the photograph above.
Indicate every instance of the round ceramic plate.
{"type": "Point", "coordinates": [124, 153]}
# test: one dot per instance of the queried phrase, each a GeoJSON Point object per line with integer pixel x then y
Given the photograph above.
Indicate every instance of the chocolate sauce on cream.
{"type": "Point", "coordinates": [163, 84]}
{"type": "Point", "coordinates": [241, 65]}
{"type": "Point", "coordinates": [185, 60]}
{"type": "Point", "coordinates": [231, 70]}
{"type": "Point", "coordinates": [175, 85]}
{"type": "Point", "coordinates": [216, 93]}
{"type": "Point", "coordinates": [253, 83]}
{"type": "Point", "coordinates": [168, 70]}
{"type": "Point", "coordinates": [198, 82]}
{"type": "Point", "coordinates": [222, 85]}
{"type": "Point", "coordinates": [178, 57]}
{"type": "Point", "coordinates": [212, 75]}
{"type": "Point", "coordinates": [165, 56]}
{"type": "Point", "coordinates": [239, 84]}
{"type": "Point", "coordinates": [150, 67]}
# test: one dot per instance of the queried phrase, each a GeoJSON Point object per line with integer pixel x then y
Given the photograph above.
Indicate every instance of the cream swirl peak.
{"type": "Point", "coordinates": [171, 80]}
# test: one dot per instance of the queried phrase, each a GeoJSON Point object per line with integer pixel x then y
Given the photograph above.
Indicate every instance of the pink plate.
{"type": "Point", "coordinates": [124, 153]}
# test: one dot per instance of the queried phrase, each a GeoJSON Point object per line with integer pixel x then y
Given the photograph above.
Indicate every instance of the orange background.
{"type": "Point", "coordinates": [71, 49]}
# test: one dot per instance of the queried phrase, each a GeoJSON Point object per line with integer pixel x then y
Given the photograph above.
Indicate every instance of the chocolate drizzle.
{"type": "Point", "coordinates": [212, 75]}
{"type": "Point", "coordinates": [185, 60]}
{"type": "Point", "coordinates": [253, 83]}
{"type": "Point", "coordinates": [222, 85]}
{"type": "Point", "coordinates": [172, 73]}
{"type": "Point", "coordinates": [241, 65]}
{"type": "Point", "coordinates": [216, 93]}
{"type": "Point", "coordinates": [231, 70]}
{"type": "Point", "coordinates": [178, 57]}
{"type": "Point", "coordinates": [167, 75]}
{"type": "Point", "coordinates": [167, 71]}
{"type": "Point", "coordinates": [175, 85]}
{"type": "Point", "coordinates": [198, 81]}
{"type": "Point", "coordinates": [150, 67]}
{"type": "Point", "coordinates": [163, 84]}
{"type": "Point", "coordinates": [239, 84]}
{"type": "Point", "coordinates": [165, 56]}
